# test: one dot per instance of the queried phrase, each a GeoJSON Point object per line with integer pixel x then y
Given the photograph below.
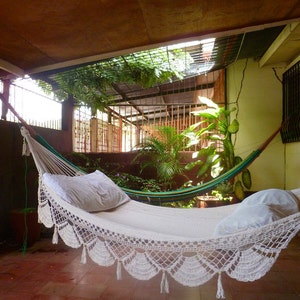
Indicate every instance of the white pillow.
{"type": "Point", "coordinates": [91, 192]}
{"type": "Point", "coordinates": [281, 200]}
{"type": "Point", "coordinates": [257, 210]}
{"type": "Point", "coordinates": [247, 218]}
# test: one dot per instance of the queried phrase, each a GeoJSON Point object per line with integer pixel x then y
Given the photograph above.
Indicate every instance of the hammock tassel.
{"type": "Point", "coordinates": [83, 255]}
{"type": "Point", "coordinates": [55, 235]}
{"type": "Point", "coordinates": [220, 290]}
{"type": "Point", "coordinates": [164, 284]}
{"type": "Point", "coordinates": [119, 270]}
{"type": "Point", "coordinates": [25, 148]}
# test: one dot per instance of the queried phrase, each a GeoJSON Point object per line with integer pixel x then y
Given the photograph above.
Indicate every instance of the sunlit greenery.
{"type": "Point", "coordinates": [91, 85]}
{"type": "Point", "coordinates": [216, 127]}
{"type": "Point", "coordinates": [162, 150]}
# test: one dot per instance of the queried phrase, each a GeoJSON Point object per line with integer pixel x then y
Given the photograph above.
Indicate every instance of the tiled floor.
{"type": "Point", "coordinates": [54, 272]}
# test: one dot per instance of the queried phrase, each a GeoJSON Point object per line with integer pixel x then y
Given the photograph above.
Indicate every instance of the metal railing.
{"type": "Point", "coordinates": [111, 133]}
{"type": "Point", "coordinates": [34, 107]}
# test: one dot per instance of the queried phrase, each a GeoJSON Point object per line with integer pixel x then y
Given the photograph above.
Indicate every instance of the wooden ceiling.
{"type": "Point", "coordinates": [37, 36]}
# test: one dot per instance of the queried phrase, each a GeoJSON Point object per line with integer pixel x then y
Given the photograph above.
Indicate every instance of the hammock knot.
{"type": "Point", "coordinates": [164, 284]}
{"type": "Point", "coordinates": [220, 290]}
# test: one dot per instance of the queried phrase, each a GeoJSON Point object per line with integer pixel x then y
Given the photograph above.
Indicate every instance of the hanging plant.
{"type": "Point", "coordinates": [91, 85]}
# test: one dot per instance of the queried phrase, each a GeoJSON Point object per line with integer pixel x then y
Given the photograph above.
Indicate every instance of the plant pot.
{"type": "Point", "coordinates": [210, 201]}
{"type": "Point", "coordinates": [22, 219]}
{"type": "Point", "coordinates": [215, 203]}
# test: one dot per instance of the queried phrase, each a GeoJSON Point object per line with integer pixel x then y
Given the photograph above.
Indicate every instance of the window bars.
{"type": "Point", "coordinates": [291, 105]}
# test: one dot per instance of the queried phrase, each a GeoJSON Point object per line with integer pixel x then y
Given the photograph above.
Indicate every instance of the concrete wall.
{"type": "Point", "coordinates": [260, 113]}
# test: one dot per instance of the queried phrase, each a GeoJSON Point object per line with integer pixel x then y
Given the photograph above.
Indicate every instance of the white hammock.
{"type": "Point", "coordinates": [146, 240]}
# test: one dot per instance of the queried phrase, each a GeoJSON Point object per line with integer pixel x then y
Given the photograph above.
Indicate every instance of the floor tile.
{"type": "Point", "coordinates": [50, 272]}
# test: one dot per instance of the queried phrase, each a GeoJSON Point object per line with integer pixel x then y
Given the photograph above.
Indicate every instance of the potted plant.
{"type": "Point", "coordinates": [161, 151]}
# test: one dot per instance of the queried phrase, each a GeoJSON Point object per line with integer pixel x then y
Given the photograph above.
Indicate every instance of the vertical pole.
{"type": "Point", "coordinates": [5, 98]}
{"type": "Point", "coordinates": [94, 134]}
{"type": "Point", "coordinates": [67, 118]}
{"type": "Point", "coordinates": [109, 133]}
{"type": "Point", "coordinates": [120, 133]}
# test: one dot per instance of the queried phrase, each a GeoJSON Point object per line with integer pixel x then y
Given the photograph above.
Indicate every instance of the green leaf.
{"type": "Point", "coordinates": [237, 160]}
{"type": "Point", "coordinates": [193, 164]}
{"type": "Point", "coordinates": [203, 170]}
{"type": "Point", "coordinates": [246, 179]}
{"type": "Point", "coordinates": [234, 126]}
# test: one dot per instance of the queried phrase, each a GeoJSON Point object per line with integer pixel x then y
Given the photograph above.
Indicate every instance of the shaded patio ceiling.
{"type": "Point", "coordinates": [38, 36]}
{"type": "Point", "coordinates": [203, 62]}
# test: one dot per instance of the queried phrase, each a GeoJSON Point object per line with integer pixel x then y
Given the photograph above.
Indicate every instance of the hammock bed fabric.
{"type": "Point", "coordinates": [147, 240]}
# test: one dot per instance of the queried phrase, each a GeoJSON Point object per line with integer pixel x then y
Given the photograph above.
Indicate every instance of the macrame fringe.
{"type": "Point", "coordinates": [55, 235]}
{"type": "Point", "coordinates": [164, 284]}
{"type": "Point", "coordinates": [119, 270]}
{"type": "Point", "coordinates": [220, 290]}
{"type": "Point", "coordinates": [83, 255]}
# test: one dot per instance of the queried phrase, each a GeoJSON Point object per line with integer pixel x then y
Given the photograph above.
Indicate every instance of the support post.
{"type": "Point", "coordinates": [94, 134]}
{"type": "Point", "coordinates": [5, 98]}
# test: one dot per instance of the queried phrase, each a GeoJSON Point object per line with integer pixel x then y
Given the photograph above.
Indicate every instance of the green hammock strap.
{"type": "Point", "coordinates": [177, 195]}
{"type": "Point", "coordinates": [190, 192]}
{"type": "Point", "coordinates": [180, 194]}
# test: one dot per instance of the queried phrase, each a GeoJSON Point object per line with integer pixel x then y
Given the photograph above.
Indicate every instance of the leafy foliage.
{"type": "Point", "coordinates": [91, 84]}
{"type": "Point", "coordinates": [216, 127]}
{"type": "Point", "coordinates": [135, 182]}
{"type": "Point", "coordinates": [162, 150]}
{"type": "Point", "coordinates": [122, 179]}
{"type": "Point", "coordinates": [185, 203]}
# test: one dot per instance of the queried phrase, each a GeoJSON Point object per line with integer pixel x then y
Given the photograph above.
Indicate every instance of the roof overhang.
{"type": "Point", "coordinates": [37, 36]}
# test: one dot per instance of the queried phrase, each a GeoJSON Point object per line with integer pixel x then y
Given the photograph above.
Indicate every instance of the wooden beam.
{"type": "Point", "coordinates": [10, 68]}
{"type": "Point", "coordinates": [164, 93]}
{"type": "Point", "coordinates": [278, 43]}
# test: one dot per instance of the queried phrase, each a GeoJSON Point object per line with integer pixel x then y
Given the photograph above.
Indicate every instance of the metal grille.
{"type": "Point", "coordinates": [31, 105]}
{"type": "Point", "coordinates": [130, 119]}
{"type": "Point", "coordinates": [291, 105]}
{"type": "Point", "coordinates": [81, 130]}
{"type": "Point", "coordinates": [113, 134]}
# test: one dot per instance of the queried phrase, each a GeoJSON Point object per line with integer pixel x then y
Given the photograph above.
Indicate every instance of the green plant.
{"type": "Point", "coordinates": [185, 203]}
{"type": "Point", "coordinates": [92, 84]}
{"type": "Point", "coordinates": [162, 152]}
{"type": "Point", "coordinates": [181, 204]}
{"type": "Point", "coordinates": [122, 179]}
{"type": "Point", "coordinates": [223, 191]}
{"type": "Point", "coordinates": [85, 162]}
{"type": "Point", "coordinates": [135, 182]}
{"type": "Point", "coordinates": [217, 128]}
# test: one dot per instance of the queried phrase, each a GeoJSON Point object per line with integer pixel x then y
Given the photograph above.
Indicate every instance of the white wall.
{"type": "Point", "coordinates": [259, 114]}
